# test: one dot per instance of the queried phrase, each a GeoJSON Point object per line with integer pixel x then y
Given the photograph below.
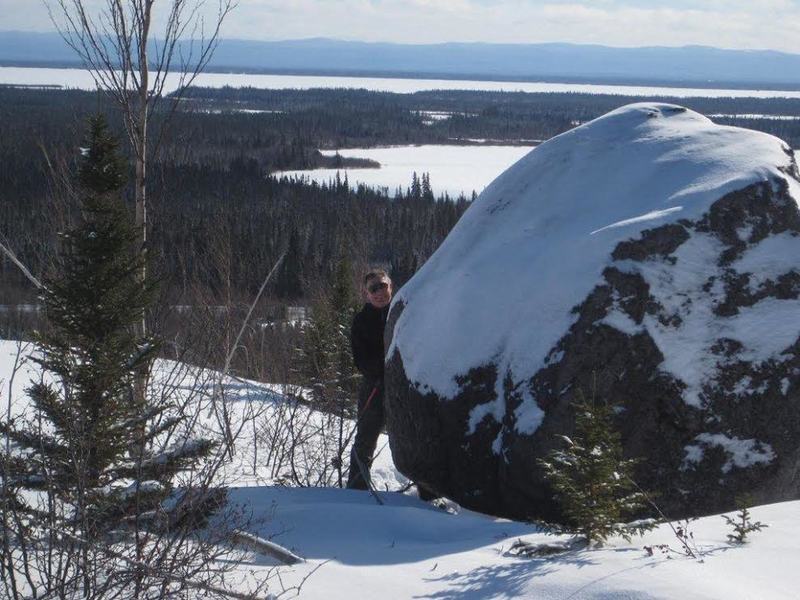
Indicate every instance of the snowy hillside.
{"type": "Point", "coordinates": [405, 548]}
{"type": "Point", "coordinates": [263, 455]}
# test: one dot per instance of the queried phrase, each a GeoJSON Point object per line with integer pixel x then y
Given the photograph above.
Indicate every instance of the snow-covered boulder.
{"type": "Point", "coordinates": [650, 258]}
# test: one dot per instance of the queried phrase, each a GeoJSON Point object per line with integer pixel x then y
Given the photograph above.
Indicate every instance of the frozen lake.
{"type": "Point", "coordinates": [78, 78]}
{"type": "Point", "coordinates": [452, 169]}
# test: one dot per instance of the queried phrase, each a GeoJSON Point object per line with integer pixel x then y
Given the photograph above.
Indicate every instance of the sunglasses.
{"type": "Point", "coordinates": [376, 287]}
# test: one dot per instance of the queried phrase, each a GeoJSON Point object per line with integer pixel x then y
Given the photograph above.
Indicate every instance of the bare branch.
{"type": "Point", "coordinates": [158, 573]}
{"type": "Point", "coordinates": [258, 544]}
{"type": "Point", "coordinates": [250, 313]}
{"type": "Point", "coordinates": [13, 258]}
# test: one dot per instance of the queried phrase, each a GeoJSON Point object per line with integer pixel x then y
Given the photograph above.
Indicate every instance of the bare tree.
{"type": "Point", "coordinates": [133, 66]}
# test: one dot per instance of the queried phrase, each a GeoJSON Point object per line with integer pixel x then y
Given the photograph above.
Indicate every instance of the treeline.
{"type": "Point", "coordinates": [229, 227]}
{"type": "Point", "coordinates": [217, 126]}
{"type": "Point", "coordinates": [342, 118]}
{"type": "Point", "coordinates": [212, 197]}
{"type": "Point", "coordinates": [219, 224]}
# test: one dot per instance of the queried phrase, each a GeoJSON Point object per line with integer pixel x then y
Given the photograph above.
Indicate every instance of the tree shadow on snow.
{"type": "Point", "coordinates": [514, 578]}
{"type": "Point", "coordinates": [349, 527]}
{"type": "Point", "coordinates": [502, 580]}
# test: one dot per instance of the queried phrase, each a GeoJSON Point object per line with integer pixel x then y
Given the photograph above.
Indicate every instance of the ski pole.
{"type": "Point", "coordinates": [369, 400]}
{"type": "Point", "coordinates": [337, 460]}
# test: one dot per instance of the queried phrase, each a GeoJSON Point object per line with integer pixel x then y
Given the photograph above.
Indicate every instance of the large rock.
{"type": "Point", "coordinates": [650, 258]}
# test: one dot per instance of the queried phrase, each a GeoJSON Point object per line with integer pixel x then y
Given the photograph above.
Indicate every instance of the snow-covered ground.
{"type": "Point", "coordinates": [263, 420]}
{"type": "Point", "coordinates": [406, 548]}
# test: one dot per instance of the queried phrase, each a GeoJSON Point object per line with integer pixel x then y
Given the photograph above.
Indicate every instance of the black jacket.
{"type": "Point", "coordinates": [366, 341]}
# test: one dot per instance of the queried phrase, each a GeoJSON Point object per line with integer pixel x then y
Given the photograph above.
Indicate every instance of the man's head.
{"type": "Point", "coordinates": [378, 288]}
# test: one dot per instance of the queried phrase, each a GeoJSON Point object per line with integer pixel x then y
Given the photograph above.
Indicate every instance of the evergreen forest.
{"type": "Point", "coordinates": [219, 217]}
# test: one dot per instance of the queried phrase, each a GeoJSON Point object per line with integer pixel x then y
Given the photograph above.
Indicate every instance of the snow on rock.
{"type": "Point", "coordinates": [740, 453]}
{"type": "Point", "coordinates": [768, 259]}
{"type": "Point", "coordinates": [649, 255]}
{"type": "Point", "coordinates": [537, 240]}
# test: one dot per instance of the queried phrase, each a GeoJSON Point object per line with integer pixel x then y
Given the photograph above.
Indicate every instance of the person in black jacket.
{"type": "Point", "coordinates": [366, 339]}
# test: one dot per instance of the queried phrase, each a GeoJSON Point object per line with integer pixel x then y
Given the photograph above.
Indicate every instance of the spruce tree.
{"type": "Point", "coordinates": [427, 191]}
{"type": "Point", "coordinates": [91, 443]}
{"type": "Point", "coordinates": [343, 307]}
{"type": "Point", "coordinates": [289, 281]}
{"type": "Point", "coordinates": [325, 359]}
{"type": "Point", "coordinates": [416, 187]}
{"type": "Point", "coordinates": [591, 479]}
{"type": "Point", "coordinates": [742, 522]}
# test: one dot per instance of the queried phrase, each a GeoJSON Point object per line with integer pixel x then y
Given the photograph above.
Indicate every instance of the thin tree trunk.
{"type": "Point", "coordinates": [141, 150]}
{"type": "Point", "coordinates": [140, 185]}
{"type": "Point", "coordinates": [140, 194]}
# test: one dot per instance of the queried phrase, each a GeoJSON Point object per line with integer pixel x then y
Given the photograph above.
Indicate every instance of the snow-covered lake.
{"type": "Point", "coordinates": [78, 78]}
{"type": "Point", "coordinates": [452, 169]}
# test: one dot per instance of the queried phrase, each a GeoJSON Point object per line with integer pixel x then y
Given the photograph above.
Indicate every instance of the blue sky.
{"type": "Point", "coordinates": [757, 24]}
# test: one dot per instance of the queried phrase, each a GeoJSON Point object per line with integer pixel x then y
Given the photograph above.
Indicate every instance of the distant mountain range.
{"type": "Point", "coordinates": [695, 65]}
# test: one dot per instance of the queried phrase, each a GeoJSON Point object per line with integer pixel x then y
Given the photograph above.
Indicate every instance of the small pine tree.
{"type": "Point", "coordinates": [742, 523]}
{"type": "Point", "coordinates": [591, 479]}
{"type": "Point", "coordinates": [325, 360]}
{"type": "Point", "coordinates": [88, 442]}
{"type": "Point", "coordinates": [343, 306]}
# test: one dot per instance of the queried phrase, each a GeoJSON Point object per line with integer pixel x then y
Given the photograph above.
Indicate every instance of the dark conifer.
{"type": "Point", "coordinates": [592, 480]}
{"type": "Point", "coordinates": [92, 449]}
{"type": "Point", "coordinates": [416, 187]}
{"type": "Point", "coordinates": [289, 284]}
{"type": "Point", "coordinates": [427, 191]}
{"type": "Point", "coordinates": [325, 360]}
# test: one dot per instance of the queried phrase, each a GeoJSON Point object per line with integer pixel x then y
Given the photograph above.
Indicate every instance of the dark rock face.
{"type": "Point", "coordinates": [733, 428]}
